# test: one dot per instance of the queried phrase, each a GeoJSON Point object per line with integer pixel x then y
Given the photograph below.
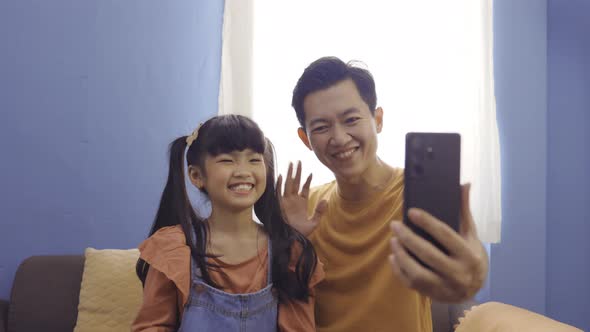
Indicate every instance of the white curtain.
{"type": "Point", "coordinates": [432, 63]}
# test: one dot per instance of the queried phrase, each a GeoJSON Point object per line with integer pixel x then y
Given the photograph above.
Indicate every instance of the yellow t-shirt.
{"type": "Point", "coordinates": [360, 292]}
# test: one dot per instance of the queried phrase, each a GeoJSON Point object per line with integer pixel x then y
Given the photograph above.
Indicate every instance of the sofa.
{"type": "Point", "coordinates": [46, 289]}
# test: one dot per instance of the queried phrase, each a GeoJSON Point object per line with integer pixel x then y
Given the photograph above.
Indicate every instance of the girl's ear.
{"type": "Point", "coordinates": [196, 176]}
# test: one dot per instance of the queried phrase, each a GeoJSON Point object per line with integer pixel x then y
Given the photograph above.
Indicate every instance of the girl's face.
{"type": "Point", "coordinates": [235, 180]}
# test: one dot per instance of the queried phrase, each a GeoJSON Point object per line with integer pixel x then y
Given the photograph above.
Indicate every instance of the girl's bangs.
{"type": "Point", "coordinates": [232, 133]}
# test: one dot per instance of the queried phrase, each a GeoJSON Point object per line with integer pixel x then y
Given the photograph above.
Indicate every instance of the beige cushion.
{"type": "Point", "coordinates": [500, 317]}
{"type": "Point", "coordinates": [111, 293]}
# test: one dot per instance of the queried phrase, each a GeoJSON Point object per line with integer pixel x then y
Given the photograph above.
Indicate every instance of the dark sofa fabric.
{"type": "Point", "coordinates": [45, 294]}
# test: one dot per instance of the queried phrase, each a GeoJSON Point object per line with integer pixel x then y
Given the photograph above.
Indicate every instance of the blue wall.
{"type": "Point", "coordinates": [518, 263]}
{"type": "Point", "coordinates": [568, 170]}
{"type": "Point", "coordinates": [91, 93]}
{"type": "Point", "coordinates": [542, 73]}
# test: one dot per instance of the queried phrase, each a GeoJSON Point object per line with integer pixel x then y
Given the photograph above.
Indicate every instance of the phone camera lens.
{"type": "Point", "coordinates": [418, 170]}
{"type": "Point", "coordinates": [430, 153]}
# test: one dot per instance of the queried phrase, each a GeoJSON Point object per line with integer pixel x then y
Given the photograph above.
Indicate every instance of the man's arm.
{"type": "Point", "coordinates": [452, 278]}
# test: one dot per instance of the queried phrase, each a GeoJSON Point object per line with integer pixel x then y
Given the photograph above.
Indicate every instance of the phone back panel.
{"type": "Point", "coordinates": [431, 175]}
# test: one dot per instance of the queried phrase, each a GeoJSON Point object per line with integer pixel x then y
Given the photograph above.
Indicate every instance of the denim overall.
{"type": "Point", "coordinates": [210, 309]}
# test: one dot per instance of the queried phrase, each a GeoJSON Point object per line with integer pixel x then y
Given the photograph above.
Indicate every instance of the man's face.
{"type": "Point", "coordinates": [341, 130]}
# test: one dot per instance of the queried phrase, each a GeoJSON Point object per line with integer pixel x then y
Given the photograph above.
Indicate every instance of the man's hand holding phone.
{"type": "Point", "coordinates": [451, 278]}
{"type": "Point", "coordinates": [436, 250]}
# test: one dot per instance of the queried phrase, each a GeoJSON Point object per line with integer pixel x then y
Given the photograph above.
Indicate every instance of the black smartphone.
{"type": "Point", "coordinates": [431, 176]}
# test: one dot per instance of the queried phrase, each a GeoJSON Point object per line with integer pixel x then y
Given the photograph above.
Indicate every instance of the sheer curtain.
{"type": "Point", "coordinates": [432, 63]}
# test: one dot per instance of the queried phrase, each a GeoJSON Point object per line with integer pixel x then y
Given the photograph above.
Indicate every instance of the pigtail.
{"type": "Point", "coordinates": [176, 209]}
{"type": "Point", "coordinates": [174, 204]}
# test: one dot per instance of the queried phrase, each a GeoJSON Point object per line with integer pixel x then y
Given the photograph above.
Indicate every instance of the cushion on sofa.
{"type": "Point", "coordinates": [111, 293]}
{"type": "Point", "coordinates": [500, 317]}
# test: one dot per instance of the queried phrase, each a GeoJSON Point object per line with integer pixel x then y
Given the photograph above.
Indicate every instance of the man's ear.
{"type": "Point", "coordinates": [303, 137]}
{"type": "Point", "coordinates": [196, 176]}
{"type": "Point", "coordinates": [379, 119]}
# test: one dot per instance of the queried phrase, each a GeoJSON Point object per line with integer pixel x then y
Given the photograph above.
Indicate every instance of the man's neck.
{"type": "Point", "coordinates": [374, 179]}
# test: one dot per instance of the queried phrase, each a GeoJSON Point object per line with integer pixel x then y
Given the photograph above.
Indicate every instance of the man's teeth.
{"type": "Point", "coordinates": [242, 187]}
{"type": "Point", "coordinates": [345, 154]}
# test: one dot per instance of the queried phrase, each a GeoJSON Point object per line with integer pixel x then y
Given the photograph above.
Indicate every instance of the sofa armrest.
{"type": "Point", "coordinates": [3, 315]}
{"type": "Point", "coordinates": [446, 315]}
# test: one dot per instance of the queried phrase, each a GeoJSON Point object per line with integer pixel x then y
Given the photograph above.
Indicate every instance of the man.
{"type": "Point", "coordinates": [371, 284]}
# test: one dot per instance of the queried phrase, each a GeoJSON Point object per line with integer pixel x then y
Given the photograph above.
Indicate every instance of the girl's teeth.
{"type": "Point", "coordinates": [242, 187]}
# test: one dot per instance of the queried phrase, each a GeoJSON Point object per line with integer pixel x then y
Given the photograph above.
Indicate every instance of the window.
{"type": "Point", "coordinates": [431, 60]}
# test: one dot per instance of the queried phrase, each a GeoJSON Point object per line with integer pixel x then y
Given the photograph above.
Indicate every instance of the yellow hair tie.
{"type": "Point", "coordinates": [192, 137]}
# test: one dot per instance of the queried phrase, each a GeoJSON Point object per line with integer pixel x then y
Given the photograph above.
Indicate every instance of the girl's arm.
{"type": "Point", "coordinates": [159, 310]}
{"type": "Point", "coordinates": [297, 315]}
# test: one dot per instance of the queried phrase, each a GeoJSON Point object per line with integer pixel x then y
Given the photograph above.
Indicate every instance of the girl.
{"type": "Point", "coordinates": [225, 272]}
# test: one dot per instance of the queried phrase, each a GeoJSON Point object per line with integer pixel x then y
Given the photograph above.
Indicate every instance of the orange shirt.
{"type": "Point", "coordinates": [167, 284]}
{"type": "Point", "coordinates": [360, 291]}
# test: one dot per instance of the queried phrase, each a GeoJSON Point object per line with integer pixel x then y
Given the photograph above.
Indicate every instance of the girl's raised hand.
{"type": "Point", "coordinates": [294, 202]}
